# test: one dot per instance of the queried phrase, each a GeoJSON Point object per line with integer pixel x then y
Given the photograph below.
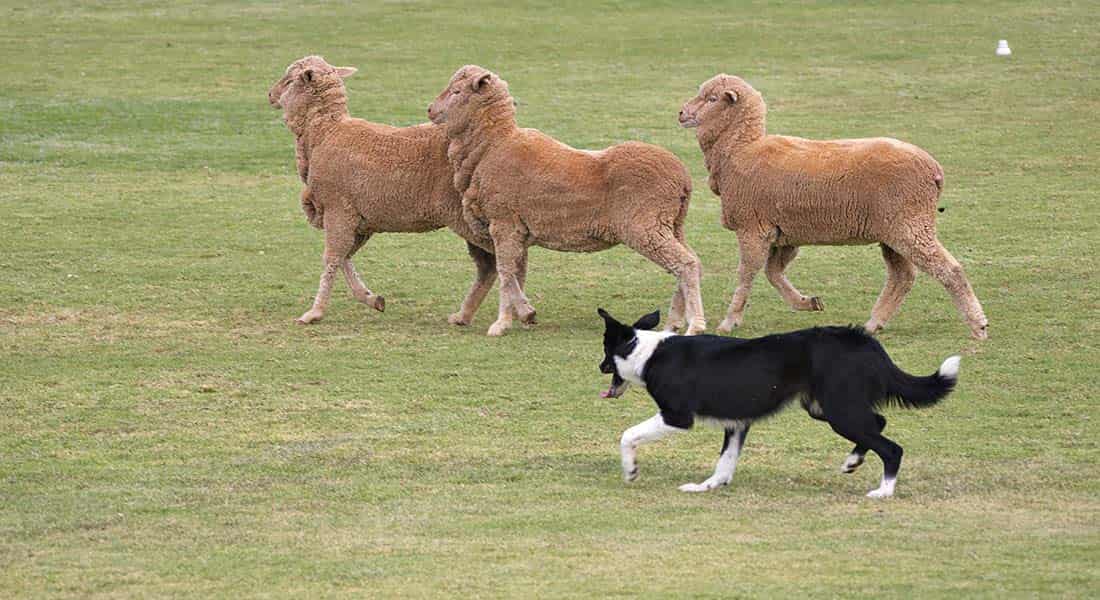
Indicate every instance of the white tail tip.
{"type": "Point", "coordinates": [950, 367]}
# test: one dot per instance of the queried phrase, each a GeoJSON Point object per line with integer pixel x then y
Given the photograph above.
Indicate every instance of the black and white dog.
{"type": "Point", "coordinates": [839, 374]}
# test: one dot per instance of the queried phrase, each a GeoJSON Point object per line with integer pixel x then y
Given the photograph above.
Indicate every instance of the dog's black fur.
{"type": "Point", "coordinates": [841, 375]}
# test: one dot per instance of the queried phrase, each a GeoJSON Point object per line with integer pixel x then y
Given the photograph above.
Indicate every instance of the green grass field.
{"type": "Point", "coordinates": [167, 430]}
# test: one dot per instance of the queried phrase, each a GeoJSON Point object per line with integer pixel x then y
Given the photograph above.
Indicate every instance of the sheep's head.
{"type": "Point", "coordinates": [305, 78]}
{"type": "Point", "coordinates": [722, 97]}
{"type": "Point", "coordinates": [470, 92]}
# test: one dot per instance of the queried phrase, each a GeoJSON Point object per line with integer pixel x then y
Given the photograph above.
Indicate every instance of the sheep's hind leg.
{"type": "Point", "coordinates": [676, 258]}
{"type": "Point", "coordinates": [754, 253]}
{"type": "Point", "coordinates": [900, 274]}
{"type": "Point", "coordinates": [932, 258]}
{"type": "Point", "coordinates": [677, 307]}
{"type": "Point", "coordinates": [358, 289]}
{"type": "Point", "coordinates": [486, 265]}
{"type": "Point", "coordinates": [339, 240]}
{"type": "Point", "coordinates": [778, 260]}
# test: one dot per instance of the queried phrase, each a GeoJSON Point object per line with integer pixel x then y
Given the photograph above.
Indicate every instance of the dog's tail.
{"type": "Point", "coordinates": [917, 392]}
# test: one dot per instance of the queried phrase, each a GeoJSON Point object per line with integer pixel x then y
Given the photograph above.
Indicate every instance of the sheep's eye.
{"type": "Point", "coordinates": [456, 92]}
{"type": "Point", "coordinates": [712, 98]}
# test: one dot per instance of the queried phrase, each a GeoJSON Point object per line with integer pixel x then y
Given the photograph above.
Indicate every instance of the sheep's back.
{"type": "Point", "coordinates": [835, 191]}
{"type": "Point", "coordinates": [397, 180]}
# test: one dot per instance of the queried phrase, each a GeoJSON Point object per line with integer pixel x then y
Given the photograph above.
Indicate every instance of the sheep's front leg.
{"type": "Point", "coordinates": [511, 253]}
{"type": "Point", "coordinates": [527, 318]}
{"type": "Point", "coordinates": [900, 275]}
{"type": "Point", "coordinates": [754, 252]}
{"type": "Point", "coordinates": [486, 265]}
{"type": "Point", "coordinates": [676, 310]}
{"type": "Point", "coordinates": [778, 260]}
{"type": "Point", "coordinates": [339, 240]}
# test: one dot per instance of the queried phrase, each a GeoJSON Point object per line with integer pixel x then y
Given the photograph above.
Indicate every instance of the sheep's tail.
{"type": "Point", "coordinates": [685, 201]}
{"type": "Point", "coordinates": [314, 213]}
{"type": "Point", "coordinates": [937, 174]}
{"type": "Point", "coordinates": [917, 392]}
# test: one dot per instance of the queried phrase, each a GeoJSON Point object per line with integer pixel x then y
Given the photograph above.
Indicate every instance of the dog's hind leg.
{"type": "Point", "coordinates": [650, 430]}
{"type": "Point", "coordinates": [891, 461]}
{"type": "Point", "coordinates": [862, 428]}
{"type": "Point", "coordinates": [727, 460]}
{"type": "Point", "coordinates": [855, 457]}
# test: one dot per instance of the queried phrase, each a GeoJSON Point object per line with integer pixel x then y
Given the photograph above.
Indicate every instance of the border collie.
{"type": "Point", "coordinates": [839, 374]}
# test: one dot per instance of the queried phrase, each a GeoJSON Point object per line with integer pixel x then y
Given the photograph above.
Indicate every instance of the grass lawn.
{"type": "Point", "coordinates": [167, 430]}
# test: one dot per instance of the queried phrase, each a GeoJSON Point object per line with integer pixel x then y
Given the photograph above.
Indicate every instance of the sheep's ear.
{"type": "Point", "coordinates": [731, 96]}
{"type": "Point", "coordinates": [345, 72]}
{"type": "Point", "coordinates": [649, 321]}
{"type": "Point", "coordinates": [480, 81]}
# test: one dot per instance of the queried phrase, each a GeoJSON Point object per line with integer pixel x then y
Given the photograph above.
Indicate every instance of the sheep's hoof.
{"type": "Point", "coordinates": [727, 325]}
{"type": "Point", "coordinates": [673, 327]}
{"type": "Point", "coordinates": [980, 334]}
{"type": "Point", "coordinates": [379, 303]}
{"type": "Point", "coordinates": [872, 327]}
{"type": "Point", "coordinates": [497, 329]}
{"type": "Point", "coordinates": [311, 316]}
{"type": "Point", "coordinates": [816, 304]}
{"type": "Point", "coordinates": [696, 329]}
{"type": "Point", "coordinates": [526, 314]}
{"type": "Point", "coordinates": [458, 319]}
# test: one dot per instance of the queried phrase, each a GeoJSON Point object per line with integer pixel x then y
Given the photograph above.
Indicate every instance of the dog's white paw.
{"type": "Point", "coordinates": [706, 486]}
{"type": "Point", "coordinates": [885, 489]}
{"type": "Point", "coordinates": [630, 464]}
{"type": "Point", "coordinates": [851, 463]}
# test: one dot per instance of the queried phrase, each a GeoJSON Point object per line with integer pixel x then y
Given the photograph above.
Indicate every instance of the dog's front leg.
{"type": "Point", "coordinates": [727, 460]}
{"type": "Point", "coordinates": [652, 429]}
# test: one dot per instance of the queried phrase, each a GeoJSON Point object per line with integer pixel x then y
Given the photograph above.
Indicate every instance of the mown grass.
{"type": "Point", "coordinates": [165, 429]}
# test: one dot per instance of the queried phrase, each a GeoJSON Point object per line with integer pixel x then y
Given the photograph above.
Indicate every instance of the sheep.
{"type": "Point", "coordinates": [780, 192]}
{"type": "Point", "coordinates": [363, 178]}
{"type": "Point", "coordinates": [524, 188]}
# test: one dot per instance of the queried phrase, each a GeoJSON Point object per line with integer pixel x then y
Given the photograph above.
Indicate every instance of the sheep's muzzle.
{"type": "Point", "coordinates": [688, 120]}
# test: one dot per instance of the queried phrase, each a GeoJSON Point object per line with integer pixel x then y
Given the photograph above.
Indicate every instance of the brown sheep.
{"type": "Point", "coordinates": [780, 192]}
{"type": "Point", "coordinates": [523, 188]}
{"type": "Point", "coordinates": [363, 178]}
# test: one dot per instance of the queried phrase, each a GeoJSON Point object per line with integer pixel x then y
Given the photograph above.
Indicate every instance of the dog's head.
{"type": "Point", "coordinates": [619, 340]}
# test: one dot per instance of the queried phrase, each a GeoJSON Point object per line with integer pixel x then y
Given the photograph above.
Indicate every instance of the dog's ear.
{"type": "Point", "coordinates": [649, 321]}
{"type": "Point", "coordinates": [608, 319]}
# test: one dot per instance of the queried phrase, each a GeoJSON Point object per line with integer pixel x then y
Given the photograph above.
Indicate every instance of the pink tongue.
{"type": "Point", "coordinates": [606, 393]}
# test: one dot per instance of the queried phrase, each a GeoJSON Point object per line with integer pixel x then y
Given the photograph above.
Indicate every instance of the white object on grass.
{"type": "Point", "coordinates": [1003, 49]}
